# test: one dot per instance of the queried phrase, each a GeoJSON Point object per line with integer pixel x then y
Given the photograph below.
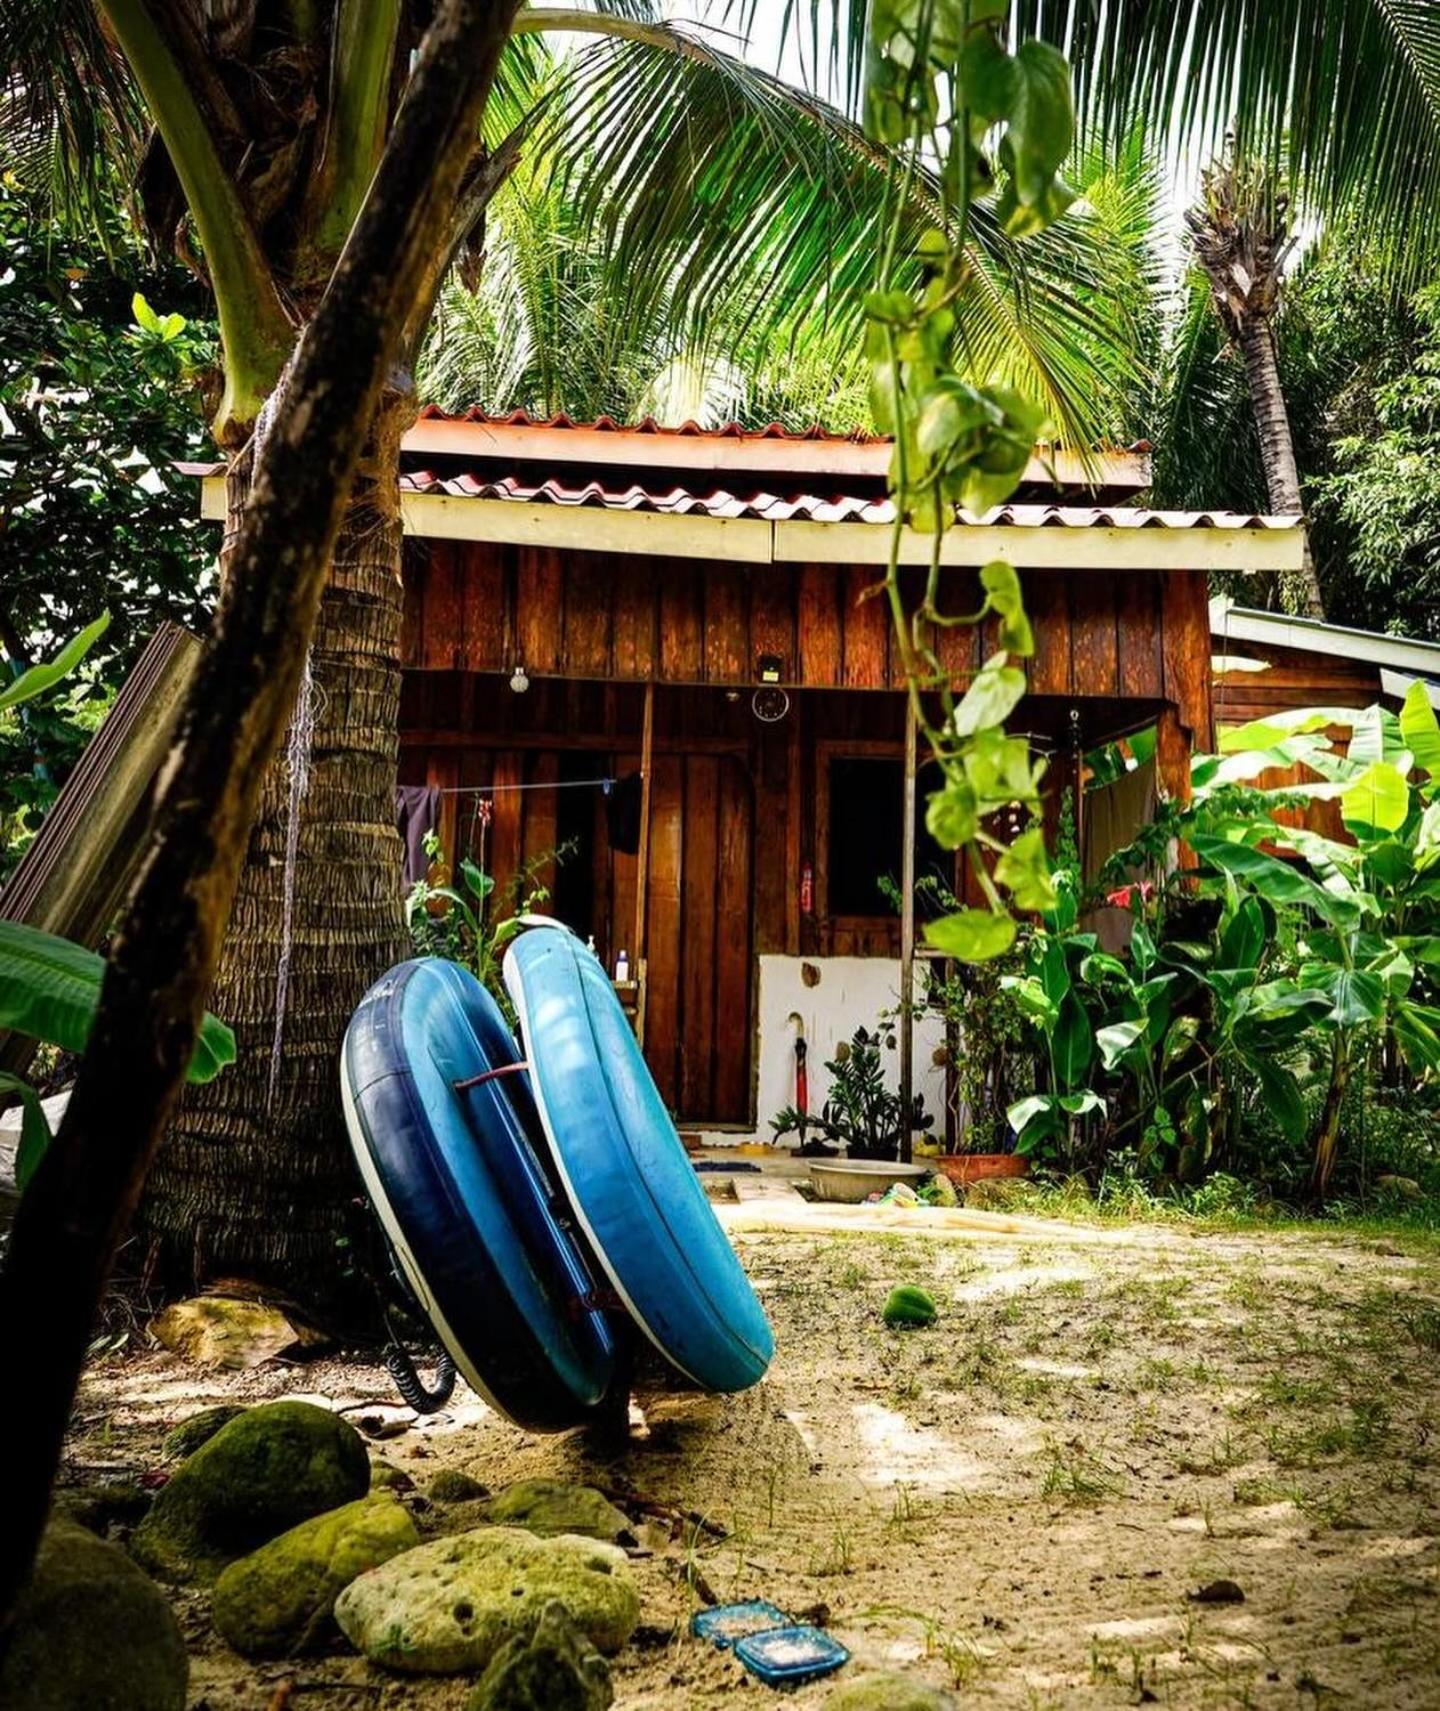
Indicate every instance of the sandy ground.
{"type": "Point", "coordinates": [1021, 1502]}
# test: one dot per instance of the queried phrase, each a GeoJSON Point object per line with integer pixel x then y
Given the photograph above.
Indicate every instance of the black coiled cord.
{"type": "Point", "coordinates": [412, 1388]}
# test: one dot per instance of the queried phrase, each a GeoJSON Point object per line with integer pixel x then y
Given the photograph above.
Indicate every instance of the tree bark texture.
{"type": "Point", "coordinates": [79, 1206]}
{"type": "Point", "coordinates": [1277, 446]}
{"type": "Point", "coordinates": [246, 1183]}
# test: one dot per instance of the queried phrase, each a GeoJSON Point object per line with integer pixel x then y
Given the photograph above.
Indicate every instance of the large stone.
{"type": "Point", "coordinates": [450, 1485]}
{"type": "Point", "coordinates": [551, 1507]}
{"type": "Point", "coordinates": [183, 1440]}
{"type": "Point", "coordinates": [451, 1605]}
{"type": "Point", "coordinates": [270, 1469]}
{"type": "Point", "coordinates": [556, 1669]}
{"type": "Point", "coordinates": [214, 1330]}
{"type": "Point", "coordinates": [281, 1599]}
{"type": "Point", "coordinates": [889, 1692]}
{"type": "Point", "coordinates": [91, 1632]}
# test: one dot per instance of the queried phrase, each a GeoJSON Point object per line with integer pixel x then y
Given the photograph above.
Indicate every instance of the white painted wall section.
{"type": "Point", "coordinates": [850, 992]}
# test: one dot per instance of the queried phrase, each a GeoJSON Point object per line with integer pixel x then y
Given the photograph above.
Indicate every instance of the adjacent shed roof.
{"type": "Point", "coordinates": [1404, 658]}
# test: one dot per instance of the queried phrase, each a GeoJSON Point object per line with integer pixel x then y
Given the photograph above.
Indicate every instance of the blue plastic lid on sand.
{"type": "Point", "coordinates": [785, 1657]}
{"type": "Point", "coordinates": [727, 1623]}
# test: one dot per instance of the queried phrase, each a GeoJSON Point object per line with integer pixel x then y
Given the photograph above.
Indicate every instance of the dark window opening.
{"type": "Point", "coordinates": [867, 796]}
{"type": "Point", "coordinates": [577, 809]}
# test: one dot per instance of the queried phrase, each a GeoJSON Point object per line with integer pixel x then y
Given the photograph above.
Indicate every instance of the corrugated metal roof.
{"type": "Point", "coordinates": [775, 508]}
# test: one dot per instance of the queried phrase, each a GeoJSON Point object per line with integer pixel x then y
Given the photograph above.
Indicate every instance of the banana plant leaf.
{"type": "Point", "coordinates": [49, 672]}
{"type": "Point", "coordinates": [49, 990]}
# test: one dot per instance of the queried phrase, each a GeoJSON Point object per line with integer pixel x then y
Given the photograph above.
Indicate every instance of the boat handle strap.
{"type": "Point", "coordinates": [488, 1075]}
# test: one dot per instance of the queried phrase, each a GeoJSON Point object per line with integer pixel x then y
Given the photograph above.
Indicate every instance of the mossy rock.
{"type": "Point", "coordinates": [183, 1440]}
{"type": "Point", "coordinates": [281, 1599]}
{"type": "Point", "coordinates": [556, 1669]}
{"type": "Point", "coordinates": [450, 1485]}
{"type": "Point", "coordinates": [551, 1507]}
{"type": "Point", "coordinates": [908, 1306]}
{"type": "Point", "coordinates": [385, 1476]}
{"type": "Point", "coordinates": [889, 1692]}
{"type": "Point", "coordinates": [92, 1632]}
{"type": "Point", "coordinates": [217, 1330]}
{"type": "Point", "coordinates": [266, 1471]}
{"type": "Point", "coordinates": [451, 1605]}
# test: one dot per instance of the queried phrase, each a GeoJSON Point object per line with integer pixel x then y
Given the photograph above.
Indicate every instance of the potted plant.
{"type": "Point", "coordinates": [861, 1113]}
{"type": "Point", "coordinates": [984, 1054]}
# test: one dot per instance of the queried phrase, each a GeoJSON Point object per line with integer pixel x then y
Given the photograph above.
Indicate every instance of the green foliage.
{"type": "Point", "coordinates": [49, 991]}
{"type": "Point", "coordinates": [861, 1113]}
{"type": "Point", "coordinates": [100, 390]}
{"type": "Point", "coordinates": [469, 924]}
{"type": "Point", "coordinates": [1381, 494]}
{"type": "Point", "coordinates": [943, 86]}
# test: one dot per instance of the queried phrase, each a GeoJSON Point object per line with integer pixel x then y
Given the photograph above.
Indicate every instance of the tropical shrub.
{"type": "Point", "coordinates": [1261, 985]}
{"type": "Point", "coordinates": [469, 924]}
{"type": "Point", "coordinates": [862, 1113]}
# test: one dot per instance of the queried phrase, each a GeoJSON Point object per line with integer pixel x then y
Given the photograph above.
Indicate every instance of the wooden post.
{"type": "Point", "coordinates": [642, 861]}
{"type": "Point", "coordinates": [907, 935]}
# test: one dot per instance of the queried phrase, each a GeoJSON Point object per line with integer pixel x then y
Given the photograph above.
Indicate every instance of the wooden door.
{"type": "Point", "coordinates": [698, 930]}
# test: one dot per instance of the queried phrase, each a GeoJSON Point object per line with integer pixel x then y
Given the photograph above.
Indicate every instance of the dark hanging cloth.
{"type": "Point", "coordinates": [622, 813]}
{"type": "Point", "coordinates": [417, 813]}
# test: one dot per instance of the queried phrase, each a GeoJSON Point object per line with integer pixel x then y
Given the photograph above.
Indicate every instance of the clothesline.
{"type": "Point", "coordinates": [605, 784]}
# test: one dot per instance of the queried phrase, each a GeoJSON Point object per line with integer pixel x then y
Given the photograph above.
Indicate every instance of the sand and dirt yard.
{"type": "Point", "coordinates": [1124, 1467]}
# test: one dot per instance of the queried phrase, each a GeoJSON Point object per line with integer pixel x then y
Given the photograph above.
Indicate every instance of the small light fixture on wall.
{"type": "Point", "coordinates": [519, 681]}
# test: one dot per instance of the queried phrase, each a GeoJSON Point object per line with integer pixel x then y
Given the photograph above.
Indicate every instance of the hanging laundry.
{"type": "Point", "coordinates": [417, 813]}
{"type": "Point", "coordinates": [622, 813]}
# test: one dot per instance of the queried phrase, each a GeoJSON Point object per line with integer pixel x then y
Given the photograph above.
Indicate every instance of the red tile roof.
{"type": "Point", "coordinates": [648, 425]}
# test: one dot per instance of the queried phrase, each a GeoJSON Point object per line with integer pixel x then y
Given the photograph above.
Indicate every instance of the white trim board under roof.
{"type": "Point", "coordinates": [1402, 654]}
{"type": "Point", "coordinates": [1030, 537]}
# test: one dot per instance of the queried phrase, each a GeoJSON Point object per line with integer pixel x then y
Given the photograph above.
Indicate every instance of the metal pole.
{"type": "Point", "coordinates": [907, 935]}
{"type": "Point", "coordinates": [642, 863]}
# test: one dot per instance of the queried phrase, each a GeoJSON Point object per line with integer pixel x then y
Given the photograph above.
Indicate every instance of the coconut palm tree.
{"type": "Point", "coordinates": [1343, 95]}
{"type": "Point", "coordinates": [248, 132]}
{"type": "Point", "coordinates": [1241, 239]}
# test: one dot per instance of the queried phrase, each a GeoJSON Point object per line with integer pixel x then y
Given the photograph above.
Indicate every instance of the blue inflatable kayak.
{"type": "Point", "coordinates": [632, 1187]}
{"type": "Point", "coordinates": [457, 1179]}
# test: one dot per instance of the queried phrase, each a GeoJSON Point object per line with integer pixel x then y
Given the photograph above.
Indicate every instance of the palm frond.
{"type": "Point", "coordinates": [1346, 91]}
{"type": "Point", "coordinates": [71, 121]}
{"type": "Point", "coordinates": [722, 196]}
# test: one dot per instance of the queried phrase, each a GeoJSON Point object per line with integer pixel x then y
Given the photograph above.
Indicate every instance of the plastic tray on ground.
{"type": "Point", "coordinates": [727, 1623]}
{"type": "Point", "coordinates": [785, 1657]}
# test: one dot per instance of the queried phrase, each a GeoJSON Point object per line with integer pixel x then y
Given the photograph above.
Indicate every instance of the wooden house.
{"type": "Point", "coordinates": [589, 602]}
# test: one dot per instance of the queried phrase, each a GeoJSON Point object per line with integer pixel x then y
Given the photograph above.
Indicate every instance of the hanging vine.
{"type": "Point", "coordinates": [974, 119]}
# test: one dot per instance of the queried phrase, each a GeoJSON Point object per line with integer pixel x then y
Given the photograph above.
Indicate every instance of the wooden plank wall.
{"type": "Point", "coordinates": [717, 891]}
{"type": "Point", "coordinates": [1294, 678]}
{"type": "Point", "coordinates": [607, 617]}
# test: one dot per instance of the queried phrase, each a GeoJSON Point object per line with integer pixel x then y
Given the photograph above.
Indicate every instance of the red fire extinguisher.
{"type": "Point", "coordinates": [807, 889]}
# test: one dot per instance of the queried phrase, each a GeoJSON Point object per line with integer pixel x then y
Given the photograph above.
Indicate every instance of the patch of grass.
{"type": "Point", "coordinates": [1076, 1477]}
{"type": "Point", "coordinates": [1363, 1431]}
{"type": "Point", "coordinates": [837, 1556]}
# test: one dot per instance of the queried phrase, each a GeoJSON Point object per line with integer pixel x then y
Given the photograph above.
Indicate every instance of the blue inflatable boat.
{"type": "Point", "coordinates": [456, 1174]}
{"type": "Point", "coordinates": [625, 1174]}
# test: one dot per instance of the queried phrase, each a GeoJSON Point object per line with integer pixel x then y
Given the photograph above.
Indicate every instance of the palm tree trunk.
{"type": "Point", "coordinates": [254, 1179]}
{"type": "Point", "coordinates": [1277, 446]}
